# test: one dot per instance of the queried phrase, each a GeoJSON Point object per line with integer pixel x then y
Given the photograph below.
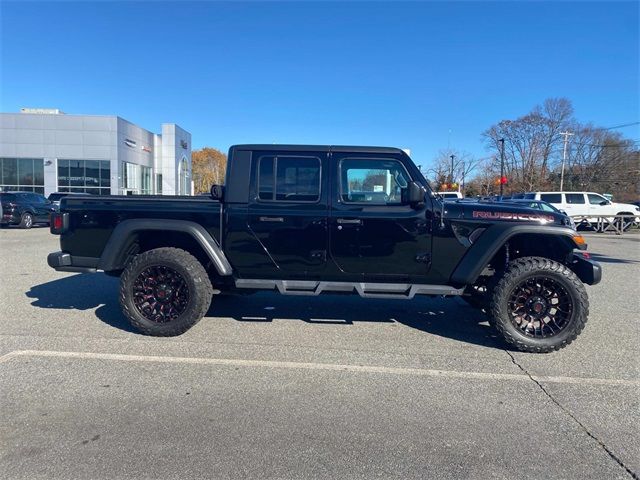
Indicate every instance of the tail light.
{"type": "Point", "coordinates": [58, 223]}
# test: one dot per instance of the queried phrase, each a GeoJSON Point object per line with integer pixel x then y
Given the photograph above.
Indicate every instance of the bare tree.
{"type": "Point", "coordinates": [531, 142]}
{"type": "Point", "coordinates": [464, 164]}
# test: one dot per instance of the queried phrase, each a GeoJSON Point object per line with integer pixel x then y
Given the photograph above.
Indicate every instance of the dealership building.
{"type": "Point", "coordinates": [46, 151]}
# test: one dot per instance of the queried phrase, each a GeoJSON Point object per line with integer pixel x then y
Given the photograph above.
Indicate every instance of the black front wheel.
{"type": "Point", "coordinates": [165, 291]}
{"type": "Point", "coordinates": [539, 305]}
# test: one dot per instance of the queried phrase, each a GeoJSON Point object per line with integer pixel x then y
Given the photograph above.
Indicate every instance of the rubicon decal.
{"type": "Point", "coordinates": [526, 217]}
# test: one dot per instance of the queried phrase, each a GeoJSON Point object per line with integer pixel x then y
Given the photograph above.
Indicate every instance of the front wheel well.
{"type": "Point", "coordinates": [553, 247]}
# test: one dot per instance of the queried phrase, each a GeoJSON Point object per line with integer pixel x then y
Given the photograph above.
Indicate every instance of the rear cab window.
{"type": "Point", "coordinates": [289, 178]}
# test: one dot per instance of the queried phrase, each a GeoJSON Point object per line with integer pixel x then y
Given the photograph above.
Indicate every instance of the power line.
{"type": "Point", "coordinates": [622, 125]}
{"type": "Point", "coordinates": [625, 144]}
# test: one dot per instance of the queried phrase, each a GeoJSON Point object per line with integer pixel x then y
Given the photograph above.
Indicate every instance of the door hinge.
{"type": "Point", "coordinates": [423, 258]}
{"type": "Point", "coordinates": [318, 255]}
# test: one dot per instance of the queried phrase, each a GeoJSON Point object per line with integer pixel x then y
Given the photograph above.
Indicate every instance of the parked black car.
{"type": "Point", "coordinates": [25, 209]}
{"type": "Point", "coordinates": [304, 219]}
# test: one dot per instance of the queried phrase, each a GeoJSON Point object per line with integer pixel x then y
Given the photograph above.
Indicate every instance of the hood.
{"type": "Point", "coordinates": [492, 212]}
{"type": "Point", "coordinates": [626, 206]}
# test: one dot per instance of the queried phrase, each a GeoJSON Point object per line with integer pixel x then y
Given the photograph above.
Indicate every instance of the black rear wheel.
{"type": "Point", "coordinates": [164, 292]}
{"type": "Point", "coordinates": [539, 305]}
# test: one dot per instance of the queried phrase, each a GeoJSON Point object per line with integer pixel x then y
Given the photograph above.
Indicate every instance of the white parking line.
{"type": "Point", "coordinates": [317, 366]}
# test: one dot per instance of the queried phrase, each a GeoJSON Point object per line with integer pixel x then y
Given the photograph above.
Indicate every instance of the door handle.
{"type": "Point", "coordinates": [271, 219]}
{"type": "Point", "coordinates": [349, 221]}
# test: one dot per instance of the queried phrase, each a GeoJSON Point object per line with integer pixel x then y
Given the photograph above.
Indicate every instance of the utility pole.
{"type": "Point", "coordinates": [461, 189]}
{"type": "Point", "coordinates": [452, 157]}
{"type": "Point", "coordinates": [501, 166]}
{"type": "Point", "coordinates": [564, 157]}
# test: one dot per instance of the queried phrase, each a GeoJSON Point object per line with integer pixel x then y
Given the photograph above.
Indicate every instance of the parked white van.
{"type": "Point", "coordinates": [585, 204]}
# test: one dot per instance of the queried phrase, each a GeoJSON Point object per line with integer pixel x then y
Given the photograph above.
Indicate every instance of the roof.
{"type": "Point", "coordinates": [318, 148]}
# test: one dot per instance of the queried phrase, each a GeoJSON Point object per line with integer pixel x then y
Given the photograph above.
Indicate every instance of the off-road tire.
{"type": "Point", "coordinates": [26, 221]}
{"type": "Point", "coordinates": [517, 272]}
{"type": "Point", "coordinates": [195, 277]}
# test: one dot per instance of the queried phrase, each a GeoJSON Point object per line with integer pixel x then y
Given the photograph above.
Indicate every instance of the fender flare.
{"type": "Point", "coordinates": [491, 241]}
{"type": "Point", "coordinates": [111, 258]}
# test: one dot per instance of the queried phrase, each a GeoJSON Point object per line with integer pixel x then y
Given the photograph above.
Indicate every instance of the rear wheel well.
{"type": "Point", "coordinates": [143, 241]}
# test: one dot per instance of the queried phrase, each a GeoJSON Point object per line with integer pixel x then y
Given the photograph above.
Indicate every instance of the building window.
{"type": "Point", "coordinates": [159, 183]}
{"type": "Point", "coordinates": [26, 174]}
{"type": "Point", "coordinates": [84, 176]}
{"type": "Point", "coordinates": [136, 179]}
{"type": "Point", "coordinates": [183, 178]}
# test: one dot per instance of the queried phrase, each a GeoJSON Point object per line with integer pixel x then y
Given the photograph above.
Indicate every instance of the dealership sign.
{"type": "Point", "coordinates": [130, 143]}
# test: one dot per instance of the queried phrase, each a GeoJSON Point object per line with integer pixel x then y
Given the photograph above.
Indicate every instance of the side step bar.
{"type": "Point", "coordinates": [364, 289]}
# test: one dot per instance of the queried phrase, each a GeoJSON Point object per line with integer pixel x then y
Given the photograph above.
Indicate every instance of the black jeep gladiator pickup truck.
{"type": "Point", "coordinates": [304, 220]}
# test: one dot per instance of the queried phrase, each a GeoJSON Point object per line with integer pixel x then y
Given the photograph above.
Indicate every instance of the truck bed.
{"type": "Point", "coordinates": [93, 218]}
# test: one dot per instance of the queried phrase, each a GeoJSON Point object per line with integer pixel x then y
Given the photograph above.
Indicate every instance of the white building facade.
{"type": "Point", "coordinates": [46, 151]}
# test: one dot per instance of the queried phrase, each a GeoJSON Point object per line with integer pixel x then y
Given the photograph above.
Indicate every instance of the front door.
{"type": "Point", "coordinates": [287, 212]}
{"type": "Point", "coordinates": [373, 231]}
{"type": "Point", "coordinates": [42, 207]}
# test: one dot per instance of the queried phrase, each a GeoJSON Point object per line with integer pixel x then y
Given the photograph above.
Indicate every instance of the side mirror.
{"type": "Point", "coordinates": [605, 202]}
{"type": "Point", "coordinates": [217, 192]}
{"type": "Point", "coordinates": [415, 194]}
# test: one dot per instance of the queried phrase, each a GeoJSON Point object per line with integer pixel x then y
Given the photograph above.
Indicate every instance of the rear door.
{"type": "Point", "coordinates": [287, 212]}
{"type": "Point", "coordinates": [373, 233]}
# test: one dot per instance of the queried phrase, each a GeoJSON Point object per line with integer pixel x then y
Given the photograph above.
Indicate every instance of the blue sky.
{"type": "Point", "coordinates": [397, 74]}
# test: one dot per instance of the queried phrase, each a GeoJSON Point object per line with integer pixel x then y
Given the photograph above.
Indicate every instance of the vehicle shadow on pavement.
{"type": "Point", "coordinates": [447, 318]}
{"type": "Point", "coordinates": [83, 292]}
{"type": "Point", "coordinates": [605, 259]}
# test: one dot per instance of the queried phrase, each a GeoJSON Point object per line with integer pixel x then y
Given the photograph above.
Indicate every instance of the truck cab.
{"type": "Point", "coordinates": [326, 213]}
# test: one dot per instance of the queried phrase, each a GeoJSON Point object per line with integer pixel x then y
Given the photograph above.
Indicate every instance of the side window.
{"type": "Point", "coordinates": [551, 197]}
{"type": "Point", "coordinates": [289, 178]}
{"type": "Point", "coordinates": [595, 199]}
{"type": "Point", "coordinates": [376, 182]}
{"type": "Point", "coordinates": [574, 198]}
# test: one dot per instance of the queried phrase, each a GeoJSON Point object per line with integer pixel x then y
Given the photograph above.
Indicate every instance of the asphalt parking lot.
{"type": "Point", "coordinates": [295, 387]}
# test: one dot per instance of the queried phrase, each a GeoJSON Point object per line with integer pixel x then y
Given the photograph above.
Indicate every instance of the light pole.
{"type": "Point", "coordinates": [501, 165]}
{"type": "Point", "coordinates": [452, 158]}
{"type": "Point", "coordinates": [564, 157]}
